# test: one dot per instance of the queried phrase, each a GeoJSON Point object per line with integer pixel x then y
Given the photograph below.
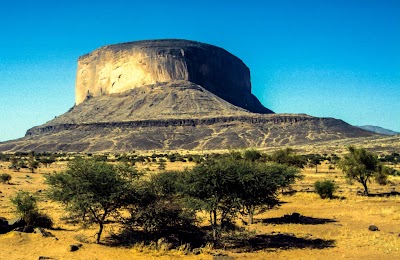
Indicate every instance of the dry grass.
{"type": "Point", "coordinates": [328, 229]}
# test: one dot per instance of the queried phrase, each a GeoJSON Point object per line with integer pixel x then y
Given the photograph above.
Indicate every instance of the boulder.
{"type": "Point", "coordinates": [3, 221]}
{"type": "Point", "coordinates": [373, 228]}
{"type": "Point", "coordinates": [42, 232]}
{"type": "Point", "coordinates": [196, 251]}
{"type": "Point", "coordinates": [4, 227]}
{"type": "Point", "coordinates": [74, 247]}
{"type": "Point", "coordinates": [16, 223]}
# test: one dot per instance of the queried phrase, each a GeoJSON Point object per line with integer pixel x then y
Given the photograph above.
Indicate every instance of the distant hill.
{"type": "Point", "coordinates": [378, 129]}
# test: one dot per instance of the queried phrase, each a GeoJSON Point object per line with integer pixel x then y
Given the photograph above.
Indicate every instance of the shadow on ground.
{"type": "Point", "coordinates": [236, 241]}
{"type": "Point", "coordinates": [383, 194]}
{"type": "Point", "coordinates": [296, 218]}
{"type": "Point", "coordinates": [194, 236]}
{"type": "Point", "coordinates": [283, 241]}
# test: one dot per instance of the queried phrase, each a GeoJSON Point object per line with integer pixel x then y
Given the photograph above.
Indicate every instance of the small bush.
{"type": "Point", "coordinates": [5, 178]}
{"type": "Point", "coordinates": [381, 178]}
{"type": "Point", "coordinates": [26, 207]}
{"type": "Point", "coordinates": [162, 216]}
{"type": "Point", "coordinates": [161, 165]}
{"type": "Point", "coordinates": [325, 189]}
{"type": "Point", "coordinates": [252, 155]}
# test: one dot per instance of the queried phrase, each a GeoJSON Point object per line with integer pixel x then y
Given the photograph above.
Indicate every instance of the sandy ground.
{"type": "Point", "coordinates": [332, 229]}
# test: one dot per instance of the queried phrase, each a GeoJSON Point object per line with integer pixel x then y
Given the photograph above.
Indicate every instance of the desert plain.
{"type": "Point", "coordinates": [325, 229]}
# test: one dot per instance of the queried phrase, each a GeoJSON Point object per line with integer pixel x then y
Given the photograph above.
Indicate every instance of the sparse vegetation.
{"type": "Point", "coordinates": [14, 164]}
{"type": "Point", "coordinates": [159, 207]}
{"type": "Point", "coordinates": [252, 155]}
{"type": "Point", "coordinates": [361, 165]}
{"type": "Point", "coordinates": [26, 208]}
{"type": "Point", "coordinates": [91, 190]}
{"type": "Point", "coordinates": [5, 178]}
{"type": "Point", "coordinates": [162, 215]}
{"type": "Point", "coordinates": [161, 164]}
{"type": "Point", "coordinates": [47, 161]}
{"type": "Point", "coordinates": [227, 186]}
{"type": "Point", "coordinates": [288, 157]}
{"type": "Point", "coordinates": [325, 189]}
{"type": "Point", "coordinates": [33, 164]}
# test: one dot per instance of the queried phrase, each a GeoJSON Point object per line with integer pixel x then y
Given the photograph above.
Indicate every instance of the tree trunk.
{"type": "Point", "coordinates": [251, 214]}
{"type": "Point", "coordinates": [364, 183]}
{"type": "Point", "coordinates": [99, 233]}
{"type": "Point", "coordinates": [214, 224]}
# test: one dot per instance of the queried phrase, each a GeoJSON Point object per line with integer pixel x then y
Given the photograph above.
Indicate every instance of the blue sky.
{"type": "Point", "coordinates": [332, 58]}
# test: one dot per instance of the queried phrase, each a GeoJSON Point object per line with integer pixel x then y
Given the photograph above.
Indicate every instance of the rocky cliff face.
{"type": "Point", "coordinates": [121, 67]}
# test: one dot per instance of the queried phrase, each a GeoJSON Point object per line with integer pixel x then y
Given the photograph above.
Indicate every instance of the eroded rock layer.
{"type": "Point", "coordinates": [200, 134]}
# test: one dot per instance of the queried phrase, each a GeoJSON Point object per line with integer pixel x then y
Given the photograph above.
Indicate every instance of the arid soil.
{"type": "Point", "coordinates": [325, 229]}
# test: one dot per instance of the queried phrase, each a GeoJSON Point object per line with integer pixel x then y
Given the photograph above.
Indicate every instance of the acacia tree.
{"type": "Point", "coordinates": [211, 186]}
{"type": "Point", "coordinates": [32, 163]}
{"type": "Point", "coordinates": [360, 165]}
{"type": "Point", "coordinates": [47, 161]}
{"type": "Point", "coordinates": [92, 190]}
{"type": "Point", "coordinates": [14, 164]}
{"type": "Point", "coordinates": [315, 160]}
{"type": "Point", "coordinates": [288, 157]}
{"type": "Point", "coordinates": [228, 186]}
{"type": "Point", "coordinates": [259, 184]}
{"type": "Point", "coordinates": [159, 207]}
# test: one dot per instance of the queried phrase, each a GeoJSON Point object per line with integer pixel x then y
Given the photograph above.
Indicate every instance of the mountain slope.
{"type": "Point", "coordinates": [177, 115]}
{"type": "Point", "coordinates": [378, 130]}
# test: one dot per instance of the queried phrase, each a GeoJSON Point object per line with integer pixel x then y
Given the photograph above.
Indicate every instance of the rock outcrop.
{"type": "Point", "coordinates": [117, 68]}
{"type": "Point", "coordinates": [167, 95]}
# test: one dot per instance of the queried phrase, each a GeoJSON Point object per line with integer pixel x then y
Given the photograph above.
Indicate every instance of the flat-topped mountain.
{"type": "Point", "coordinates": [120, 67]}
{"type": "Point", "coordinates": [171, 94]}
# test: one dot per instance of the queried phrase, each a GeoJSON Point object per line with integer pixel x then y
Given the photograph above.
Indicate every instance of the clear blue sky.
{"type": "Point", "coordinates": [328, 58]}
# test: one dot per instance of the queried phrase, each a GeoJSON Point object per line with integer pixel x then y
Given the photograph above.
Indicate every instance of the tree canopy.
{"type": "Point", "coordinates": [361, 165]}
{"type": "Point", "coordinates": [92, 190]}
{"type": "Point", "coordinates": [227, 186]}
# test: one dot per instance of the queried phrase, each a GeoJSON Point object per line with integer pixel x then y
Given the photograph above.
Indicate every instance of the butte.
{"type": "Point", "coordinates": [168, 95]}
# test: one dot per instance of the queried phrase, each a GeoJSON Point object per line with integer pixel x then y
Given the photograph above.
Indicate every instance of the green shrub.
{"type": "Point", "coordinates": [5, 178]}
{"type": "Point", "coordinates": [252, 155]}
{"type": "Point", "coordinates": [158, 207]}
{"type": "Point", "coordinates": [27, 209]}
{"type": "Point", "coordinates": [93, 190]}
{"type": "Point", "coordinates": [161, 215]}
{"type": "Point", "coordinates": [161, 165]}
{"type": "Point", "coordinates": [325, 188]}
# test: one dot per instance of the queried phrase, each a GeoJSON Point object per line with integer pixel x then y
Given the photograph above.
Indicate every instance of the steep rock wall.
{"type": "Point", "coordinates": [117, 68]}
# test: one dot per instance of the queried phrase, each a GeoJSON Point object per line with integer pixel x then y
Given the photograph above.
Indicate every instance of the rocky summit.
{"type": "Point", "coordinates": [167, 95]}
{"type": "Point", "coordinates": [120, 67]}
